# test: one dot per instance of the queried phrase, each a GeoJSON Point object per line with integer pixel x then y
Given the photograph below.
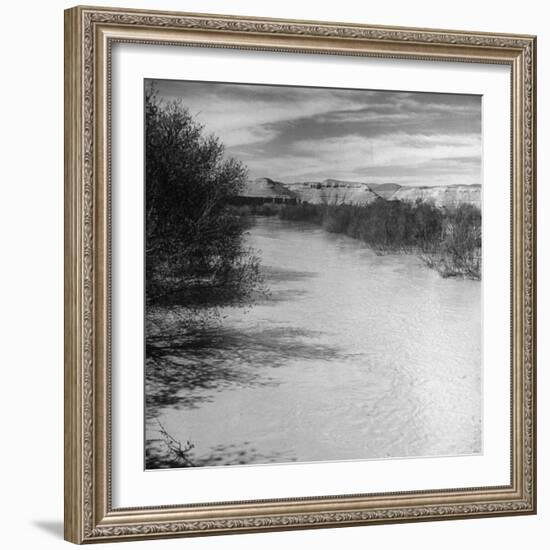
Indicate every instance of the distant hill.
{"type": "Point", "coordinates": [442, 195]}
{"type": "Point", "coordinates": [385, 190]}
{"type": "Point", "coordinates": [331, 191]}
{"type": "Point", "coordinates": [334, 191]}
{"type": "Point", "coordinates": [266, 187]}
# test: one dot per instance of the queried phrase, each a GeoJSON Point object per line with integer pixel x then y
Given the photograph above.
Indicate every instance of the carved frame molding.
{"type": "Point", "coordinates": [89, 35]}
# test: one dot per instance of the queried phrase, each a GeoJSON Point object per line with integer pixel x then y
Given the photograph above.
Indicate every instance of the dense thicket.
{"type": "Point", "coordinates": [448, 240]}
{"type": "Point", "coordinates": [194, 245]}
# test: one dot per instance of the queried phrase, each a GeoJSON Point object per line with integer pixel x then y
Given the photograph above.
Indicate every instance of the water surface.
{"type": "Point", "coordinates": [351, 356]}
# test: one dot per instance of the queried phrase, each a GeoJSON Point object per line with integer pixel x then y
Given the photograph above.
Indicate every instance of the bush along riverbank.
{"type": "Point", "coordinates": [447, 240]}
{"type": "Point", "coordinates": [196, 255]}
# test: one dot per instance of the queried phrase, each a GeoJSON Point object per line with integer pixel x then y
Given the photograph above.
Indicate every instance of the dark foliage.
{"type": "Point", "coordinates": [303, 212]}
{"type": "Point", "coordinates": [262, 209]}
{"type": "Point", "coordinates": [194, 242]}
{"type": "Point", "coordinates": [448, 240]}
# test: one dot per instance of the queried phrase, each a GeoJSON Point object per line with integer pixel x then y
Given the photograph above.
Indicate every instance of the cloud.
{"type": "Point", "coordinates": [296, 133]}
{"type": "Point", "coordinates": [396, 157]}
{"type": "Point", "coordinates": [243, 114]}
{"type": "Point", "coordinates": [389, 149]}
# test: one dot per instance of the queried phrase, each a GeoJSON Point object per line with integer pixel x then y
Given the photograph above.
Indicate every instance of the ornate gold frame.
{"type": "Point", "coordinates": [89, 35]}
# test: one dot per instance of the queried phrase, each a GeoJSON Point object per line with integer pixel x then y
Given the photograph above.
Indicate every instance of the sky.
{"type": "Point", "coordinates": [293, 134]}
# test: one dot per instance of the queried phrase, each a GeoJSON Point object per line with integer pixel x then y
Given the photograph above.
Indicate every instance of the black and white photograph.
{"type": "Point", "coordinates": [313, 274]}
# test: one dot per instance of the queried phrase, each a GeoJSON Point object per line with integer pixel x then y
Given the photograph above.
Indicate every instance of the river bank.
{"type": "Point", "coordinates": [446, 240]}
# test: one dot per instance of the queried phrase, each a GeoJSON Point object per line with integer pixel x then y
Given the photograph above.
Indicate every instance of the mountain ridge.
{"type": "Point", "coordinates": [335, 191]}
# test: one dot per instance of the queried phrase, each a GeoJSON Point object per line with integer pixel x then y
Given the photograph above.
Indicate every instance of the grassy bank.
{"type": "Point", "coordinates": [448, 241]}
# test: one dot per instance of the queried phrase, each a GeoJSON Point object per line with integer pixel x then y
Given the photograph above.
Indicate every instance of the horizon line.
{"type": "Point", "coordinates": [362, 182]}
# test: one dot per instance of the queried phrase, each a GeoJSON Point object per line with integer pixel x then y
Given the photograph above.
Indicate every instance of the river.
{"type": "Point", "coordinates": [352, 355]}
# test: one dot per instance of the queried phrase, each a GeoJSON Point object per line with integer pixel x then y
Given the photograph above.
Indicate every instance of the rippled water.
{"type": "Point", "coordinates": [353, 356]}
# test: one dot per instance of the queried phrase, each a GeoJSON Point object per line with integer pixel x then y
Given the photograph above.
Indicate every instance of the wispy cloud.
{"type": "Point", "coordinates": [292, 133]}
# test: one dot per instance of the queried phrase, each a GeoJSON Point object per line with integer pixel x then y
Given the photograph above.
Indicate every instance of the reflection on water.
{"type": "Point", "coordinates": [352, 356]}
